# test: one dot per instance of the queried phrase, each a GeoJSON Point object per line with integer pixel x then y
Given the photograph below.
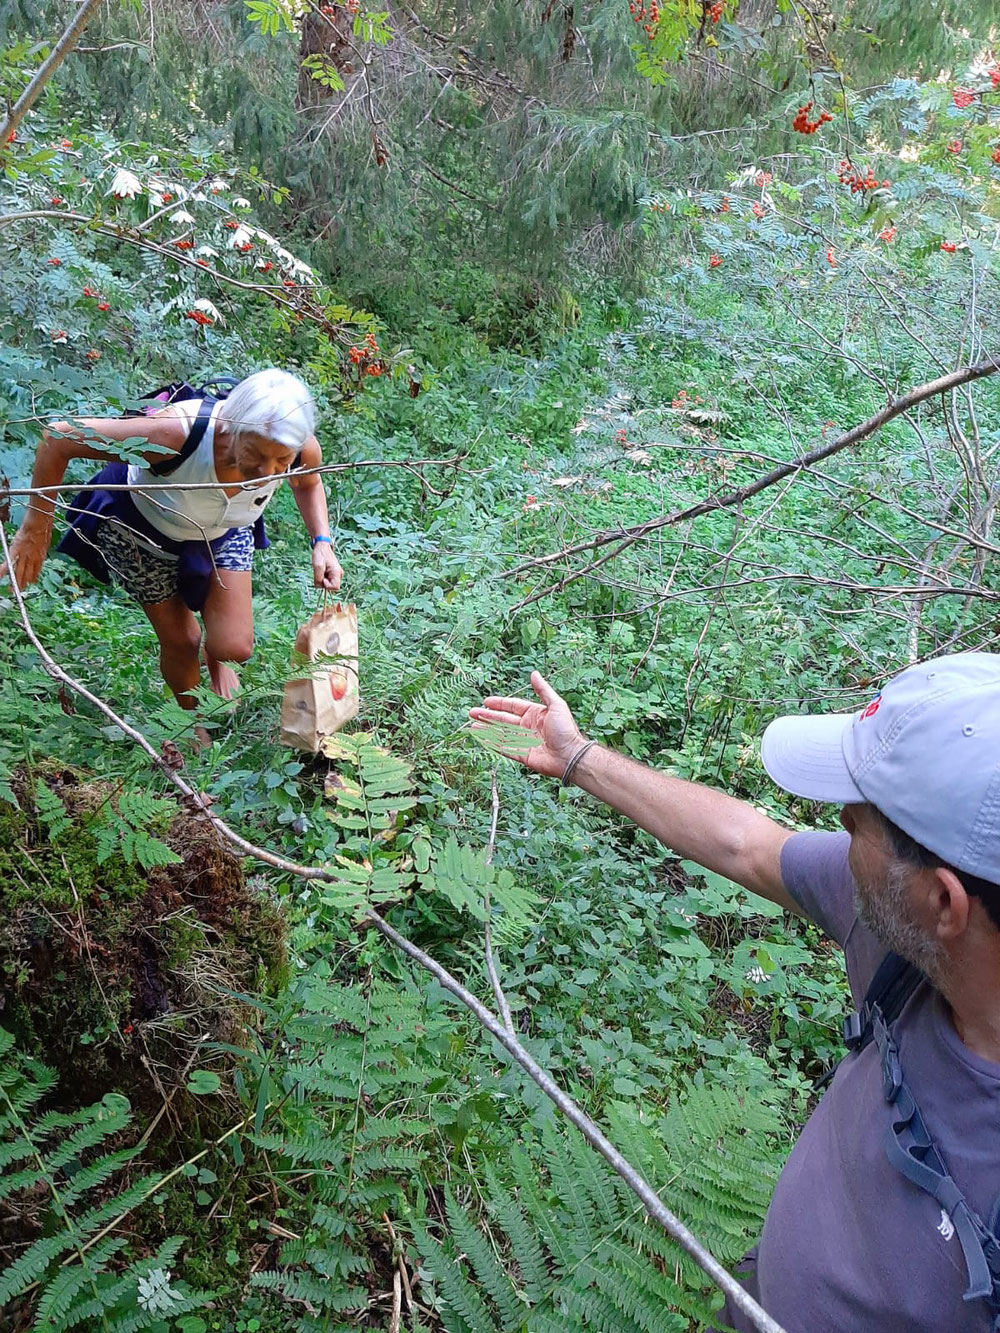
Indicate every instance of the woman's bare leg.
{"type": "Point", "coordinates": [179, 635]}
{"type": "Point", "coordinates": [224, 679]}
{"type": "Point", "coordinates": [228, 617]}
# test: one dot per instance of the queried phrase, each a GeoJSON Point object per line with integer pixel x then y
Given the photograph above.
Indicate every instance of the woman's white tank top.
{"type": "Point", "coordinates": [190, 515]}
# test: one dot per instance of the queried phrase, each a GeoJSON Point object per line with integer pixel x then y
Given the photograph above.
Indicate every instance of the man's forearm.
{"type": "Point", "coordinates": [718, 831]}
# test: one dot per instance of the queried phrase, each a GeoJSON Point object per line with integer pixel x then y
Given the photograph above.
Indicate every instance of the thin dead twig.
{"type": "Point", "coordinates": [491, 965]}
{"type": "Point", "coordinates": [397, 1248]}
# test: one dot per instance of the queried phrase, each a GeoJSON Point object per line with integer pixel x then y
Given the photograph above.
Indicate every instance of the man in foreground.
{"type": "Point", "coordinates": [869, 1229]}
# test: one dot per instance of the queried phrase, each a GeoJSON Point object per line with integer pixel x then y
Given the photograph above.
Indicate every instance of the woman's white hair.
{"type": "Point", "coordinates": [272, 404]}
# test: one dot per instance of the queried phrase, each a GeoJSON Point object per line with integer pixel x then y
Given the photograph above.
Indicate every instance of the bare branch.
{"type": "Point", "coordinates": [491, 966]}
{"type": "Point", "coordinates": [626, 537]}
{"type": "Point", "coordinates": [410, 465]}
{"type": "Point", "coordinates": [133, 236]}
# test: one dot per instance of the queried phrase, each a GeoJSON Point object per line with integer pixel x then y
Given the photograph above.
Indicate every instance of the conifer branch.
{"type": "Point", "coordinates": [45, 71]}
{"type": "Point", "coordinates": [653, 1204]}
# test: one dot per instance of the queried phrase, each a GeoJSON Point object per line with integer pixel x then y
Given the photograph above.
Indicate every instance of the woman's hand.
{"type": "Point", "coordinates": [27, 552]}
{"type": "Point", "coordinates": [550, 720]}
{"type": "Point", "coordinates": [327, 572]}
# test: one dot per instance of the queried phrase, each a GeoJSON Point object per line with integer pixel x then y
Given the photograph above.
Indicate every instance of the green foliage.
{"type": "Point", "coordinates": [575, 1250]}
{"type": "Point", "coordinates": [84, 1278]}
{"type": "Point", "coordinates": [529, 187]}
{"type": "Point", "coordinates": [375, 865]}
{"type": "Point", "coordinates": [368, 811]}
{"type": "Point", "coordinates": [123, 829]}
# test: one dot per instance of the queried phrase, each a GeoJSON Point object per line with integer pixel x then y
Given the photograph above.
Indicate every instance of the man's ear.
{"type": "Point", "coordinates": [948, 903]}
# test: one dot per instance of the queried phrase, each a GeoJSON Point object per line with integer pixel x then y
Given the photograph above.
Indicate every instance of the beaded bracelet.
{"type": "Point", "coordinates": [574, 761]}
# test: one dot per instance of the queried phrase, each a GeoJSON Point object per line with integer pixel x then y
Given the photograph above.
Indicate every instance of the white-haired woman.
{"type": "Point", "coordinates": [181, 551]}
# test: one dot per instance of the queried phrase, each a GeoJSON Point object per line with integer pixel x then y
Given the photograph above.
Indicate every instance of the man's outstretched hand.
{"type": "Point", "coordinates": [550, 720]}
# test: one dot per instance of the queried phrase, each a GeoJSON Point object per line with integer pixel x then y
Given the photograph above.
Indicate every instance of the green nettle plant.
{"type": "Point", "coordinates": [653, 346]}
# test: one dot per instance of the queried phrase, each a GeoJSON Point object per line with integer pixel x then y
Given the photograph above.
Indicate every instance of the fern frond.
{"type": "Point", "coordinates": [489, 1275]}
{"type": "Point", "coordinates": [304, 1287]}
{"type": "Point", "coordinates": [95, 1174]}
{"type": "Point", "coordinates": [28, 1267]}
{"type": "Point", "coordinates": [525, 1247]}
{"type": "Point", "coordinates": [57, 1299]}
{"type": "Point", "coordinates": [465, 1311]}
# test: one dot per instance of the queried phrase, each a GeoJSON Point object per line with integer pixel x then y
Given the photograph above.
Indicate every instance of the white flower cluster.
{"type": "Point", "coordinates": [125, 184]}
{"type": "Point", "coordinates": [207, 308]}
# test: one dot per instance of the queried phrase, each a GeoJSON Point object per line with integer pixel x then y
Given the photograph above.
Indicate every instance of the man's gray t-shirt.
{"type": "Point", "coordinates": [850, 1245]}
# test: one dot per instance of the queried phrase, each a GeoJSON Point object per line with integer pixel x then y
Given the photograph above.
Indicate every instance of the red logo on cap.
{"type": "Point", "coordinates": [872, 708]}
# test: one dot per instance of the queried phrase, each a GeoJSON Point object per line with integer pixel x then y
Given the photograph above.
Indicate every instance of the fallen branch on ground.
{"type": "Point", "coordinates": [626, 537]}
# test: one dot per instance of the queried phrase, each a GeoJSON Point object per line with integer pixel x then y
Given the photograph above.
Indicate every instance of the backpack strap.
{"type": "Point", "coordinates": [176, 392]}
{"type": "Point", "coordinates": [913, 1153]}
{"type": "Point", "coordinates": [894, 982]}
{"type": "Point", "coordinates": [908, 1144]}
{"type": "Point", "coordinates": [224, 382]}
{"type": "Point", "coordinates": [195, 436]}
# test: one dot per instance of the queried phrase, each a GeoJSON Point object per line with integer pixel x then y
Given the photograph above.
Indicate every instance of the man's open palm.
{"type": "Point", "coordinates": [550, 720]}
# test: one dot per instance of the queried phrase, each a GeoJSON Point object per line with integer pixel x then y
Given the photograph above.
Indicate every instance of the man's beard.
{"type": "Point", "coordinates": [886, 911]}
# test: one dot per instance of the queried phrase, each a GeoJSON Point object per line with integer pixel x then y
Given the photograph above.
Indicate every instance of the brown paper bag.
{"type": "Point", "coordinates": [319, 704]}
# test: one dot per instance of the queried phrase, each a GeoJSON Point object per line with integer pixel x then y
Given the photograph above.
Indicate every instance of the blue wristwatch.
{"type": "Point", "coordinates": [328, 540]}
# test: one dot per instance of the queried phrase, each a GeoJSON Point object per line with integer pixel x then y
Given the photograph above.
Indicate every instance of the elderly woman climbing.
{"type": "Point", "coordinates": [180, 551]}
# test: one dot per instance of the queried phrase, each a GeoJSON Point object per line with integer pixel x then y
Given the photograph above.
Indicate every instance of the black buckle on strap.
{"type": "Point", "coordinates": [853, 1030]}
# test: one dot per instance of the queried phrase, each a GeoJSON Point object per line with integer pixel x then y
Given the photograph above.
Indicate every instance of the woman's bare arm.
{"type": "Point", "coordinates": [63, 441]}
{"type": "Point", "coordinates": [311, 500]}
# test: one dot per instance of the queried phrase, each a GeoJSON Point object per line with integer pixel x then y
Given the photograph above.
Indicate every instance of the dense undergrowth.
{"type": "Point", "coordinates": [229, 1104]}
{"type": "Point", "coordinates": [639, 981]}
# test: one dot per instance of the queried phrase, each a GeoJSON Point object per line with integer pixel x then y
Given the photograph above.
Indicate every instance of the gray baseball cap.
{"type": "Point", "coordinates": [925, 752]}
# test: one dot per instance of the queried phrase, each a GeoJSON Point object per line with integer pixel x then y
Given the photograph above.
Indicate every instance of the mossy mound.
{"type": "Point", "coordinates": [115, 975]}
